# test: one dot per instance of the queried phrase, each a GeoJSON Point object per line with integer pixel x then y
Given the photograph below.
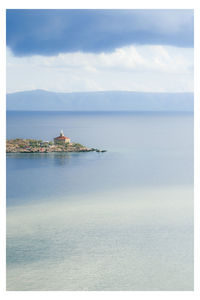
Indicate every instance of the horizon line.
{"type": "Point", "coordinates": [103, 91]}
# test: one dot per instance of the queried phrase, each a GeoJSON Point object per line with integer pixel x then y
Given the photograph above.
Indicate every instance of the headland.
{"type": "Point", "coordinates": [60, 144]}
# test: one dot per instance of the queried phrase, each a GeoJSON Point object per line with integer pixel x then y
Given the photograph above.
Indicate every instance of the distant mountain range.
{"type": "Point", "coordinates": [40, 100]}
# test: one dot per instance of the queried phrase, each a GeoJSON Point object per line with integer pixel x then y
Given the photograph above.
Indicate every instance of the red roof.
{"type": "Point", "coordinates": [61, 138]}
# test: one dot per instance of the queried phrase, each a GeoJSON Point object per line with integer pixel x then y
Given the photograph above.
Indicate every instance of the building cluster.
{"type": "Point", "coordinates": [59, 140]}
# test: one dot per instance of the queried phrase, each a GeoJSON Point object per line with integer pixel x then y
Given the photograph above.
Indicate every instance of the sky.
{"type": "Point", "coordinates": [100, 50]}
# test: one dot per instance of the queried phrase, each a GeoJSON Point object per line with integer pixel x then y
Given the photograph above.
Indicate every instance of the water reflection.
{"type": "Point", "coordinates": [61, 159]}
{"type": "Point", "coordinates": [39, 156]}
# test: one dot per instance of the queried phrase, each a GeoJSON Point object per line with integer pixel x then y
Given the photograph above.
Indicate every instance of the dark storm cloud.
{"type": "Point", "coordinates": [48, 32]}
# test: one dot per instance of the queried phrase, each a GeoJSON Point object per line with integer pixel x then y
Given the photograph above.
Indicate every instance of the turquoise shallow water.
{"type": "Point", "coordinates": [120, 220]}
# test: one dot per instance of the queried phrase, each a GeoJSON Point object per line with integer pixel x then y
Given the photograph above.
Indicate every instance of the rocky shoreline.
{"type": "Point", "coordinates": [38, 146]}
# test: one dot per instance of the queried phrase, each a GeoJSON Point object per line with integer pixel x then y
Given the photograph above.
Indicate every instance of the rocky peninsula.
{"type": "Point", "coordinates": [38, 146]}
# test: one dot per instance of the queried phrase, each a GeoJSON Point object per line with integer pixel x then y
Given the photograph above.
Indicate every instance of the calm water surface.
{"type": "Point", "coordinates": [120, 220]}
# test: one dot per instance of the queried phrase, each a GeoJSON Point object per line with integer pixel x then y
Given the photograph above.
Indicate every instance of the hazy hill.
{"type": "Point", "coordinates": [100, 101]}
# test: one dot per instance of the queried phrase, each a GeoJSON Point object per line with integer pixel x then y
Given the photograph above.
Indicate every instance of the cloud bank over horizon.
{"type": "Point", "coordinates": [133, 68]}
{"type": "Point", "coordinates": [100, 50]}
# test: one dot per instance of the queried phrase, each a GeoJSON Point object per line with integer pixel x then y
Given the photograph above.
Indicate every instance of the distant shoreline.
{"type": "Point", "coordinates": [40, 100]}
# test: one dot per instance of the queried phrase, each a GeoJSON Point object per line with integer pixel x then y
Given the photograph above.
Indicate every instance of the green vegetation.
{"type": "Point", "coordinates": [59, 143]}
{"type": "Point", "coordinates": [34, 143]}
{"type": "Point", "coordinates": [77, 145]}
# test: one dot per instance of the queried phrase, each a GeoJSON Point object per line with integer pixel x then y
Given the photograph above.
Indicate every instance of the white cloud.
{"type": "Point", "coordinates": [133, 68]}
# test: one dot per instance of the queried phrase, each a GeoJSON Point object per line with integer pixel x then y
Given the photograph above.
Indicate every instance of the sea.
{"type": "Point", "coordinates": [121, 220]}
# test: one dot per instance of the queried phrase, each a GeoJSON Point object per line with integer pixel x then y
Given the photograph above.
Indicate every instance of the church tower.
{"type": "Point", "coordinates": [61, 132]}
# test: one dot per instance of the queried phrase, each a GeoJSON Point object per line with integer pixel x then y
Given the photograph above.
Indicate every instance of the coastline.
{"type": "Point", "coordinates": [45, 152]}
